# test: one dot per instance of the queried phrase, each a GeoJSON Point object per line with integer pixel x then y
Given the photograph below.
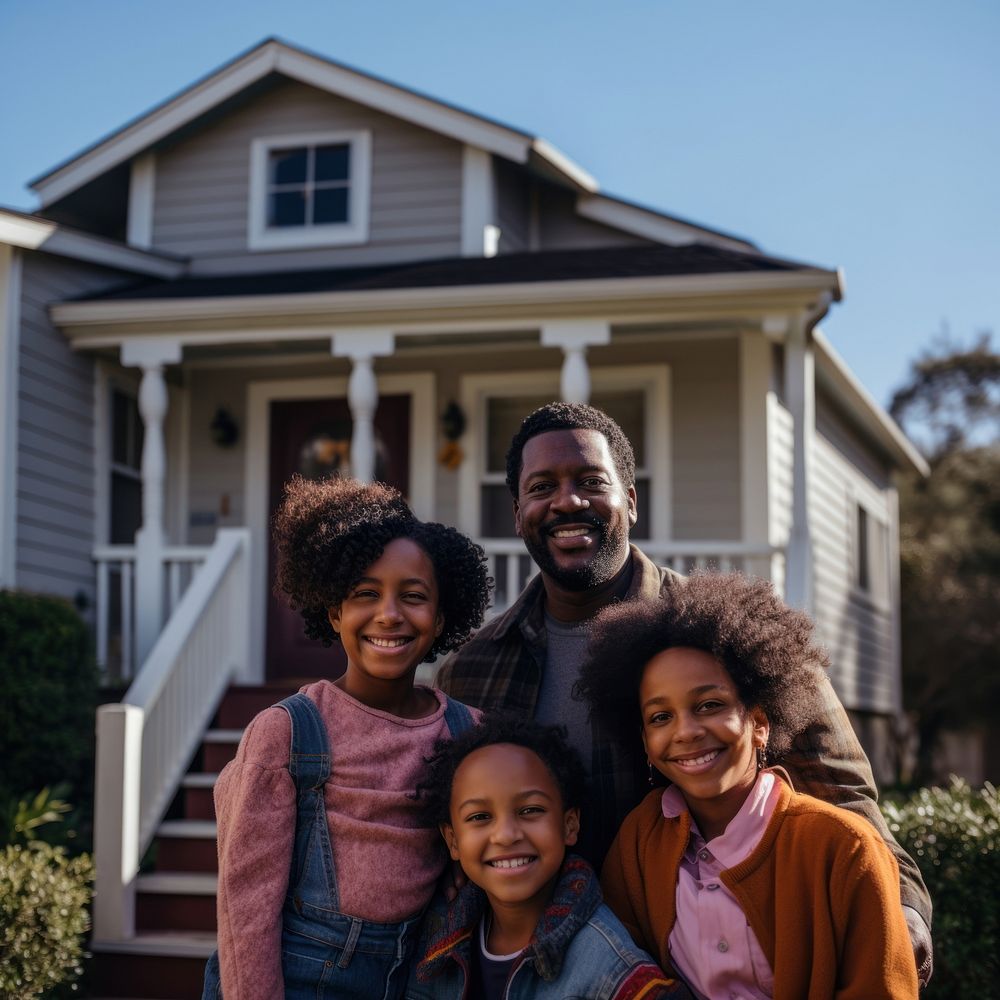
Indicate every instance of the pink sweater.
{"type": "Point", "coordinates": [386, 865]}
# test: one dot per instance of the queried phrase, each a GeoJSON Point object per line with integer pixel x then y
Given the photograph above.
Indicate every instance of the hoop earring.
{"type": "Point", "coordinates": [649, 765]}
{"type": "Point", "coordinates": [761, 758]}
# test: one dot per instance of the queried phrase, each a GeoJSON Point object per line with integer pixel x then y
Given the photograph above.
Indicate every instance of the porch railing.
{"type": "Point", "coordinates": [511, 567]}
{"type": "Point", "coordinates": [145, 742]}
{"type": "Point", "coordinates": [115, 623]}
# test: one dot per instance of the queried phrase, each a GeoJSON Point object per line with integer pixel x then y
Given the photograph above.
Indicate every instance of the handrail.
{"type": "Point", "coordinates": [145, 743]}
{"type": "Point", "coordinates": [180, 565]}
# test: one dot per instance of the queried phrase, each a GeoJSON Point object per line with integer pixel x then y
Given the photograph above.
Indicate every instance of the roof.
{"type": "Point", "coordinates": [32, 233]}
{"type": "Point", "coordinates": [273, 56]}
{"type": "Point", "coordinates": [540, 266]}
{"type": "Point", "coordinates": [276, 56]}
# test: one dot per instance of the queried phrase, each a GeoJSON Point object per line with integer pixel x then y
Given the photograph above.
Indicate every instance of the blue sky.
{"type": "Point", "coordinates": [863, 134]}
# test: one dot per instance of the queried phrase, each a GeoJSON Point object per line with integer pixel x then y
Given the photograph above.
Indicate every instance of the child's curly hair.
{"type": "Point", "coordinates": [548, 742]}
{"type": "Point", "coordinates": [766, 647]}
{"type": "Point", "coordinates": [328, 532]}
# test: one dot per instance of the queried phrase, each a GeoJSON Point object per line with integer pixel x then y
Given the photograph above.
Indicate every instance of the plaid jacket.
{"type": "Point", "coordinates": [501, 668]}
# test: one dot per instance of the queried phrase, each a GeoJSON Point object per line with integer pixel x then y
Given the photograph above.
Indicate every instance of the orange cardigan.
{"type": "Point", "coordinates": [820, 891]}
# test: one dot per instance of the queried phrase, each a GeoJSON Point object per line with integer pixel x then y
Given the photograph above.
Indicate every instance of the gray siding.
{"type": "Point", "coordinates": [202, 186]}
{"type": "Point", "coordinates": [857, 627]}
{"type": "Point", "coordinates": [560, 228]}
{"type": "Point", "coordinates": [513, 206]}
{"type": "Point", "coordinates": [55, 475]}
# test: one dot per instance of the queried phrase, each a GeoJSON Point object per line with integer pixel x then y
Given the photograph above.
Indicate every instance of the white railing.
{"type": "Point", "coordinates": [145, 743]}
{"type": "Point", "coordinates": [115, 645]}
{"type": "Point", "coordinates": [511, 567]}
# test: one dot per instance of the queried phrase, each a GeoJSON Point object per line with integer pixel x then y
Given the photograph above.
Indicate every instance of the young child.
{"type": "Point", "coordinates": [324, 865]}
{"type": "Point", "coordinates": [530, 922]}
{"type": "Point", "coordinates": [728, 876]}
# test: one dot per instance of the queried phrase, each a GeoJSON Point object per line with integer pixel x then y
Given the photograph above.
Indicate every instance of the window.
{"type": "Point", "coordinates": [636, 400]}
{"type": "Point", "coordinates": [309, 190]}
{"type": "Point", "coordinates": [871, 556]}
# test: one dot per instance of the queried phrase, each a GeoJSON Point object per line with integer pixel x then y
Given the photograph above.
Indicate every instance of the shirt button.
{"type": "Point", "coordinates": [723, 944]}
{"type": "Point", "coordinates": [704, 855]}
{"type": "Point", "coordinates": [712, 885]}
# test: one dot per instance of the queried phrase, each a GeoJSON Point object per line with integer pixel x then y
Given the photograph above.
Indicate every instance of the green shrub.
{"type": "Point", "coordinates": [953, 834]}
{"type": "Point", "coordinates": [48, 693]}
{"type": "Point", "coordinates": [43, 915]}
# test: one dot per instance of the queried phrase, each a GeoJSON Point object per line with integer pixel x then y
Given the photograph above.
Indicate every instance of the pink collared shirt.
{"type": "Point", "coordinates": [711, 943]}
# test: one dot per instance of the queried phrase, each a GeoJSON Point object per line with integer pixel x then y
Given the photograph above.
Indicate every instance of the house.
{"type": "Point", "coordinates": [295, 266]}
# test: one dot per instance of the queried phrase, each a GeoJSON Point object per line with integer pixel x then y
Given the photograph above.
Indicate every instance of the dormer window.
{"type": "Point", "coordinates": [309, 190]}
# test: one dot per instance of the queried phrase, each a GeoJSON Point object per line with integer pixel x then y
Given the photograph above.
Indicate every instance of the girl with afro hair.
{"type": "Point", "coordinates": [729, 877]}
{"type": "Point", "coordinates": [325, 864]}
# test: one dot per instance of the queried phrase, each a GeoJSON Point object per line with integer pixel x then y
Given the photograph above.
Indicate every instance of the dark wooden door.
{"type": "Point", "coordinates": [312, 437]}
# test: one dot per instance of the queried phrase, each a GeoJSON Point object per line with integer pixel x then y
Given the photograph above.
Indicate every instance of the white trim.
{"type": "Point", "coordinates": [628, 293]}
{"type": "Point", "coordinates": [478, 200]}
{"type": "Point", "coordinates": [845, 385]}
{"type": "Point", "coordinates": [755, 383]}
{"type": "Point", "coordinates": [40, 234]}
{"type": "Point", "coordinates": [895, 616]}
{"type": "Point", "coordinates": [654, 380]}
{"type": "Point", "coordinates": [652, 225]}
{"type": "Point", "coordinates": [141, 192]}
{"type": "Point", "coordinates": [260, 236]}
{"type": "Point", "coordinates": [564, 165]}
{"type": "Point", "coordinates": [10, 362]}
{"type": "Point", "coordinates": [273, 56]}
{"type": "Point", "coordinates": [260, 395]}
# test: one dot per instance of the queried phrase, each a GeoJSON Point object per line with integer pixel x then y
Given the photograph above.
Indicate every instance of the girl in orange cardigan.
{"type": "Point", "coordinates": [728, 876]}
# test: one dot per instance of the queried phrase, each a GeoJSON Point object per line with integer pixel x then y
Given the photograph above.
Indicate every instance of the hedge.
{"type": "Point", "coordinates": [48, 694]}
{"type": "Point", "coordinates": [953, 834]}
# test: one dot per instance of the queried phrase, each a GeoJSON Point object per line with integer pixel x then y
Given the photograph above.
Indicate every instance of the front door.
{"type": "Point", "coordinates": [312, 437]}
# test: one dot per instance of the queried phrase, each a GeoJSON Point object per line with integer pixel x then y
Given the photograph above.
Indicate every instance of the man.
{"type": "Point", "coordinates": [571, 472]}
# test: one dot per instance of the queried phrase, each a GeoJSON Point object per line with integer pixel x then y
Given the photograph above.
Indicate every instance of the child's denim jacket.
{"type": "Point", "coordinates": [579, 949]}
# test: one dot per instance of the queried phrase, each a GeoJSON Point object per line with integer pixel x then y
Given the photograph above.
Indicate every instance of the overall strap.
{"type": "Point", "coordinates": [309, 757]}
{"type": "Point", "coordinates": [457, 717]}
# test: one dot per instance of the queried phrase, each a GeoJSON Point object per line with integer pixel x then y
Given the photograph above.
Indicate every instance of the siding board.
{"type": "Point", "coordinates": [416, 186]}
{"type": "Point", "coordinates": [55, 494]}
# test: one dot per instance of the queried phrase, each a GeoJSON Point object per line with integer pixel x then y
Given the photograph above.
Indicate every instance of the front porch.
{"type": "Point", "coordinates": [721, 433]}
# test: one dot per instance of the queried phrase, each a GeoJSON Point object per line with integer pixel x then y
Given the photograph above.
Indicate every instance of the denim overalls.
{"type": "Point", "coordinates": [326, 953]}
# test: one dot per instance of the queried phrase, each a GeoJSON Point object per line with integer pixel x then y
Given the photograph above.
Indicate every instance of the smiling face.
{"type": "Point", "coordinates": [572, 509]}
{"type": "Point", "coordinates": [389, 619]}
{"type": "Point", "coordinates": [509, 828]}
{"type": "Point", "coordinates": [699, 734]}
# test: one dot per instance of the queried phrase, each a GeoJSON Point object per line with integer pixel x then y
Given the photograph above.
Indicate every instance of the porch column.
{"type": "Point", "coordinates": [800, 395]}
{"type": "Point", "coordinates": [150, 354]}
{"type": "Point", "coordinates": [574, 338]}
{"type": "Point", "coordinates": [362, 347]}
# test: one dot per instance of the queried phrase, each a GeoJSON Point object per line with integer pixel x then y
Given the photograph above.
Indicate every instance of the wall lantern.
{"type": "Point", "coordinates": [223, 428]}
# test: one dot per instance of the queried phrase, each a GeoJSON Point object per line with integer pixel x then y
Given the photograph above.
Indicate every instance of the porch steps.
{"type": "Point", "coordinates": [175, 901]}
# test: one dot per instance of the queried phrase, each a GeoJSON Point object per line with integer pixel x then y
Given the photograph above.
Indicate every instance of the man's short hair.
{"type": "Point", "coordinates": [570, 417]}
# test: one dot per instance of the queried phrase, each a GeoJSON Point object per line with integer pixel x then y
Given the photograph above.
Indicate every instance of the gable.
{"type": "Point", "coordinates": [202, 190]}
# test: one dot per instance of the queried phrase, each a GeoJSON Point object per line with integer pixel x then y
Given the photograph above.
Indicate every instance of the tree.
{"type": "Point", "coordinates": [950, 544]}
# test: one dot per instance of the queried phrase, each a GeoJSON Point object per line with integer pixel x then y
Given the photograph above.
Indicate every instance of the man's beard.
{"type": "Point", "coordinates": [602, 565]}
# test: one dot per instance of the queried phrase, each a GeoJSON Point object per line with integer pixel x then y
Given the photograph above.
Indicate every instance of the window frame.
{"type": "Point", "coordinates": [871, 584]}
{"type": "Point", "coordinates": [261, 236]}
{"type": "Point", "coordinates": [652, 380]}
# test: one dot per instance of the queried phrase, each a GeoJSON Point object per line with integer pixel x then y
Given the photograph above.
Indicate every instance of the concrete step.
{"type": "Point", "coordinates": [175, 901]}
{"type": "Point", "coordinates": [198, 800]}
{"type": "Point", "coordinates": [218, 748]}
{"type": "Point", "coordinates": [151, 966]}
{"type": "Point", "coordinates": [186, 845]}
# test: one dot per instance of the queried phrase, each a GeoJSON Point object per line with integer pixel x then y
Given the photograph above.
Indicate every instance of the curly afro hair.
{"type": "Point", "coordinates": [570, 417]}
{"type": "Point", "coordinates": [548, 742]}
{"type": "Point", "coordinates": [766, 647]}
{"type": "Point", "coordinates": [328, 532]}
